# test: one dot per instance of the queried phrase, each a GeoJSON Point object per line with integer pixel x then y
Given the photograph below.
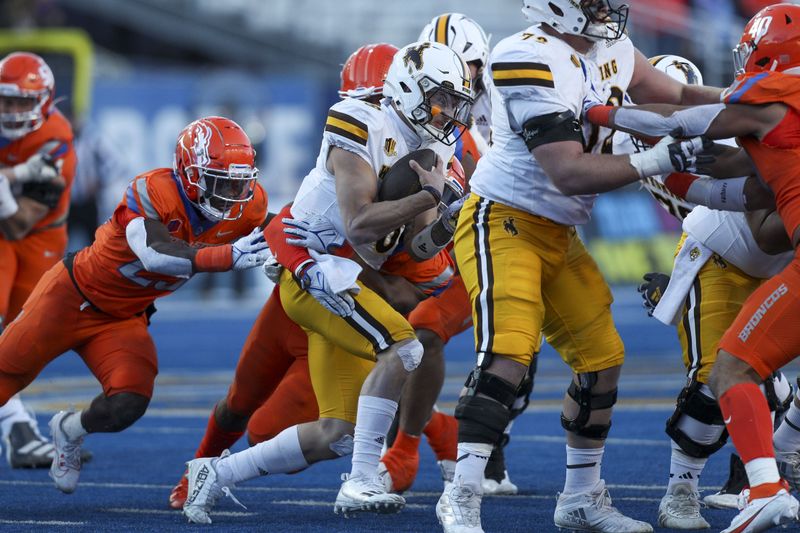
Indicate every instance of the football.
{"type": "Point", "coordinates": [401, 180]}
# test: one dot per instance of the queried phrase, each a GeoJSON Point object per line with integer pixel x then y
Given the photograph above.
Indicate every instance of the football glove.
{"type": "Point", "coordinates": [653, 288]}
{"type": "Point", "coordinates": [250, 251]}
{"type": "Point", "coordinates": [316, 234]}
{"type": "Point", "coordinates": [38, 167]}
{"type": "Point", "coordinates": [312, 280]}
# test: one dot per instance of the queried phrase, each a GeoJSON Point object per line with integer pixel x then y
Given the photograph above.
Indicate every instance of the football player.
{"type": "Point", "coordinates": [519, 254]}
{"type": "Point", "coordinates": [718, 264]}
{"type": "Point", "coordinates": [357, 339]}
{"type": "Point", "coordinates": [202, 215]}
{"type": "Point", "coordinates": [37, 154]}
{"type": "Point", "coordinates": [761, 110]}
{"type": "Point", "coordinates": [271, 389]}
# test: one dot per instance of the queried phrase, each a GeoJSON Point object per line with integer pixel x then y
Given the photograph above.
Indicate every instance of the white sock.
{"type": "Point", "coordinates": [684, 469]}
{"type": "Point", "coordinates": [11, 413]}
{"type": "Point", "coordinates": [373, 420]}
{"type": "Point", "coordinates": [471, 463]}
{"type": "Point", "coordinates": [583, 469]}
{"type": "Point", "coordinates": [762, 470]}
{"type": "Point", "coordinates": [71, 424]}
{"type": "Point", "coordinates": [787, 437]}
{"type": "Point", "coordinates": [279, 455]}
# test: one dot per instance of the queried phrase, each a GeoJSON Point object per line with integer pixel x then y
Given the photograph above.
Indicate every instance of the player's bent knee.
{"type": "Point", "coordinates": [484, 412]}
{"type": "Point", "coordinates": [697, 424]}
{"type": "Point", "coordinates": [410, 353]}
{"type": "Point", "coordinates": [588, 399]}
{"type": "Point", "coordinates": [125, 409]}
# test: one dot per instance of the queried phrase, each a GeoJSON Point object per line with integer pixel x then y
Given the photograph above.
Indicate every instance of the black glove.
{"type": "Point", "coordinates": [653, 288]}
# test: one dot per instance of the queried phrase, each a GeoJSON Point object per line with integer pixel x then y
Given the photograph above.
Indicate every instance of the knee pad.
{"type": "Point", "coordinates": [126, 408]}
{"type": "Point", "coordinates": [588, 402]}
{"type": "Point", "coordinates": [411, 354]}
{"type": "Point", "coordinates": [697, 425]}
{"type": "Point", "coordinates": [343, 446]}
{"type": "Point", "coordinates": [778, 391]}
{"type": "Point", "coordinates": [524, 392]}
{"type": "Point", "coordinates": [481, 419]}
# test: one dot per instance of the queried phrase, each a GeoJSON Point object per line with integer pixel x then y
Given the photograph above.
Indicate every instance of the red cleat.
{"type": "Point", "coordinates": [178, 495]}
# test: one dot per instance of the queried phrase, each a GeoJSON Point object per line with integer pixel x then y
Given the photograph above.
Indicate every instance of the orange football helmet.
{"type": "Point", "coordinates": [215, 163]}
{"type": "Point", "coordinates": [26, 94]}
{"type": "Point", "coordinates": [771, 41]}
{"type": "Point", "coordinates": [364, 71]}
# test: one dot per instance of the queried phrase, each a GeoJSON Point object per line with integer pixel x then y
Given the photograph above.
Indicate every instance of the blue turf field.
{"type": "Point", "coordinates": [125, 488]}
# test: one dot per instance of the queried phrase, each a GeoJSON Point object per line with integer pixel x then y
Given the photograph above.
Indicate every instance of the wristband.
{"type": "Point", "coordinates": [214, 258]}
{"type": "Point", "coordinates": [437, 196]}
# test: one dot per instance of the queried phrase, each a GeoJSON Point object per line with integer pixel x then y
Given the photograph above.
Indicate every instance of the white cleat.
{"type": "Point", "coordinates": [459, 509]}
{"type": "Point", "coordinates": [66, 466]}
{"type": "Point", "coordinates": [789, 467]}
{"type": "Point", "coordinates": [359, 494]}
{"type": "Point", "coordinates": [592, 511]}
{"type": "Point", "coordinates": [721, 500]}
{"type": "Point", "coordinates": [764, 513]}
{"type": "Point", "coordinates": [504, 488]}
{"type": "Point", "coordinates": [204, 491]}
{"type": "Point", "coordinates": [681, 509]}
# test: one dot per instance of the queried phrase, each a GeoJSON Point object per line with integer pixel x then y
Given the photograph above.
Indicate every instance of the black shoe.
{"type": "Point", "coordinates": [728, 495]}
{"type": "Point", "coordinates": [26, 448]}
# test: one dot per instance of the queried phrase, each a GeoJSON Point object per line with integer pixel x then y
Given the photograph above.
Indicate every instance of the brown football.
{"type": "Point", "coordinates": [401, 180]}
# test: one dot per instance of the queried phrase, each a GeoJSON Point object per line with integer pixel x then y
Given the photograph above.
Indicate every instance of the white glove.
{"type": "Point", "coordinates": [38, 167]}
{"type": "Point", "coordinates": [314, 282]}
{"type": "Point", "coordinates": [669, 155]}
{"type": "Point", "coordinates": [273, 271]}
{"type": "Point", "coordinates": [250, 251]}
{"type": "Point", "coordinates": [316, 234]}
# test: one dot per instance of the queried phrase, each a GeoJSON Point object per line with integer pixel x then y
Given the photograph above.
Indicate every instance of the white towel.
{"type": "Point", "coordinates": [688, 262]}
{"type": "Point", "coordinates": [341, 272]}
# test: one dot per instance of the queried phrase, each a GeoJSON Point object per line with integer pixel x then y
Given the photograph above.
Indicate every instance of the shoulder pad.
{"type": "Point", "coordinates": [521, 62]}
{"type": "Point", "coordinates": [153, 194]}
{"type": "Point", "coordinates": [353, 119]}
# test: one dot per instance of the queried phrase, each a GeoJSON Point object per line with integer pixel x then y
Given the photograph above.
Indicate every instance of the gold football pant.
{"type": "Point", "coordinates": [342, 351]}
{"type": "Point", "coordinates": [526, 275]}
{"type": "Point", "coordinates": [713, 302]}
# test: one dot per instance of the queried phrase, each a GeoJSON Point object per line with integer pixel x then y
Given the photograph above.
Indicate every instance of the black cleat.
{"type": "Point", "coordinates": [26, 448]}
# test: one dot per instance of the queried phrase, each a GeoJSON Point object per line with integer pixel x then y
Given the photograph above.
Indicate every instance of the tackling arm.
{"type": "Point", "coordinates": [769, 231]}
{"type": "Point", "coordinates": [356, 188]}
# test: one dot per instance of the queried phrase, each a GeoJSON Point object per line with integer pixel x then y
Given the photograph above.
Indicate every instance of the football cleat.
{"type": "Point", "coordinates": [504, 487]}
{"type": "Point", "coordinates": [26, 448]}
{"type": "Point", "coordinates": [448, 470]}
{"type": "Point", "coordinates": [789, 467]}
{"type": "Point", "coordinates": [397, 470]}
{"type": "Point", "coordinates": [359, 494]}
{"type": "Point", "coordinates": [680, 509]}
{"type": "Point", "coordinates": [178, 495]}
{"type": "Point", "coordinates": [65, 469]}
{"type": "Point", "coordinates": [592, 511]}
{"type": "Point", "coordinates": [764, 513]}
{"type": "Point", "coordinates": [203, 490]}
{"type": "Point", "coordinates": [728, 495]}
{"type": "Point", "coordinates": [459, 509]}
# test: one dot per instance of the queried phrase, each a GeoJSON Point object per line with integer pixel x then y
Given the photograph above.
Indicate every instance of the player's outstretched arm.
{"type": "Point", "coordinates": [769, 231]}
{"type": "Point", "coordinates": [356, 189]}
{"type": "Point", "coordinates": [650, 85]}
{"type": "Point", "coordinates": [161, 253]}
{"type": "Point", "coordinates": [716, 121]}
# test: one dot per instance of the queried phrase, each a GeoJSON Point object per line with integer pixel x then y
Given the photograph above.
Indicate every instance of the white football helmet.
{"type": "Point", "coordinates": [460, 33]}
{"type": "Point", "coordinates": [678, 68]}
{"type": "Point", "coordinates": [431, 86]}
{"type": "Point", "coordinates": [594, 19]}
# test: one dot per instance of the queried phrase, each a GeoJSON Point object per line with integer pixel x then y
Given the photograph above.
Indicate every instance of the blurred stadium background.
{"type": "Point", "coordinates": [133, 72]}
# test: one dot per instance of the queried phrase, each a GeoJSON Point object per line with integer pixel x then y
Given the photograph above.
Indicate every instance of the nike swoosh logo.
{"type": "Point", "coordinates": [223, 233]}
{"type": "Point", "coordinates": [728, 420]}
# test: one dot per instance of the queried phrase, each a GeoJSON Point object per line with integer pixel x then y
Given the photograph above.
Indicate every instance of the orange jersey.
{"type": "Point", "coordinates": [56, 128]}
{"type": "Point", "coordinates": [431, 276]}
{"type": "Point", "coordinates": [113, 278]}
{"type": "Point", "coordinates": [777, 156]}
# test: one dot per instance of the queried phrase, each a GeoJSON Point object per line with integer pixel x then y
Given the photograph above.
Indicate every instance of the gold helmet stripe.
{"type": "Point", "coordinates": [442, 24]}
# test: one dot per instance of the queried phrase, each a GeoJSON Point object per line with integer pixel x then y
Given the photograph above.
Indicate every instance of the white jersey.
{"type": "Point", "coordinates": [482, 109]}
{"type": "Point", "coordinates": [378, 135]}
{"type": "Point", "coordinates": [535, 74]}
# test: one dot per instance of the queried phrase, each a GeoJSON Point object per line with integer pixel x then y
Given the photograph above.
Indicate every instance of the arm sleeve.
{"type": "Point", "coordinates": [291, 257]}
{"type": "Point", "coordinates": [152, 260]}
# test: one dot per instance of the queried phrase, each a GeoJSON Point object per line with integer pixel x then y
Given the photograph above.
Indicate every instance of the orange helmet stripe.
{"type": "Point", "coordinates": [442, 23]}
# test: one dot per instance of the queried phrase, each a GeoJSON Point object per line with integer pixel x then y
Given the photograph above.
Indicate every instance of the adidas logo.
{"type": "Point", "coordinates": [380, 440]}
{"type": "Point", "coordinates": [578, 516]}
{"type": "Point", "coordinates": [687, 475]}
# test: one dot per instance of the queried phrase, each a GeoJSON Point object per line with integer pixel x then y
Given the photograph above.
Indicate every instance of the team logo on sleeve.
{"type": "Point", "coordinates": [390, 147]}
